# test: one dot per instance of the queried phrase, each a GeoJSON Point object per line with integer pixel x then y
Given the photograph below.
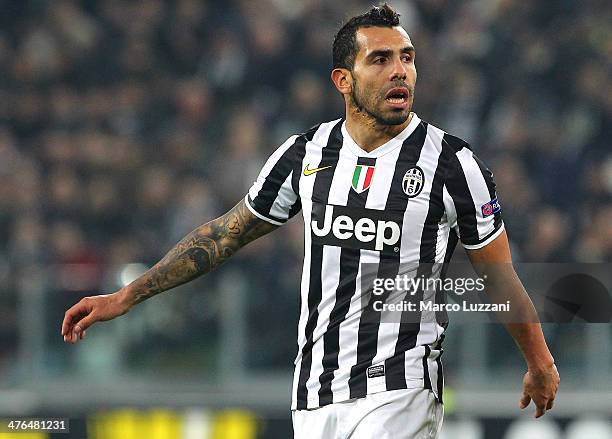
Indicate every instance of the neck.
{"type": "Point", "coordinates": [367, 133]}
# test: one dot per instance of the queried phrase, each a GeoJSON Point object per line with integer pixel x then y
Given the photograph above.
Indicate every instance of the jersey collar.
{"type": "Point", "coordinates": [385, 147]}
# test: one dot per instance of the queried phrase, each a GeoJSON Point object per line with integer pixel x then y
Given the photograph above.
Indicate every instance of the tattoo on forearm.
{"type": "Point", "coordinates": [202, 250]}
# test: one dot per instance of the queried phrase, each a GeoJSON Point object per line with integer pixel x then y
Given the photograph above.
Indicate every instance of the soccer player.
{"type": "Point", "coordinates": [381, 188]}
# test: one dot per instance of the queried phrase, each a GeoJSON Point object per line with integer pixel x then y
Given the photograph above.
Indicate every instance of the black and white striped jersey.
{"type": "Point", "coordinates": [407, 202]}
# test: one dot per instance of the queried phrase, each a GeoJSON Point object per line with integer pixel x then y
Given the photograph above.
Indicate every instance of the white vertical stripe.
{"type": "Point", "coordinates": [284, 200]}
{"type": "Point", "coordinates": [312, 155]}
{"type": "Point", "coordinates": [343, 177]}
{"type": "Point", "coordinates": [417, 208]}
{"type": "Point", "coordinates": [478, 189]}
{"type": "Point", "coordinates": [434, 371]}
{"type": "Point", "coordinates": [347, 333]}
{"type": "Point", "coordinates": [416, 213]}
{"type": "Point", "coordinates": [330, 274]}
{"type": "Point", "coordinates": [330, 271]}
{"type": "Point", "coordinates": [449, 207]}
{"type": "Point", "coordinates": [389, 328]}
{"type": "Point", "coordinates": [442, 241]}
{"type": "Point", "coordinates": [349, 329]}
{"type": "Point", "coordinates": [434, 330]}
{"type": "Point", "coordinates": [430, 331]}
{"type": "Point", "coordinates": [269, 165]}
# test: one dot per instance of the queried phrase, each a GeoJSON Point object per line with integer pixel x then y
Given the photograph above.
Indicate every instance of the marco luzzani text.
{"type": "Point", "coordinates": [405, 284]}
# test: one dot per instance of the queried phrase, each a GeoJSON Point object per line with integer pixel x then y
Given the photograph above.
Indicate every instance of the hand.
{"type": "Point", "coordinates": [90, 310]}
{"type": "Point", "coordinates": [541, 387]}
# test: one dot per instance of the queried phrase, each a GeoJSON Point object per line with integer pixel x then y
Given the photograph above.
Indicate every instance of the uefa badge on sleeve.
{"type": "Point", "coordinates": [413, 182]}
{"type": "Point", "coordinates": [490, 208]}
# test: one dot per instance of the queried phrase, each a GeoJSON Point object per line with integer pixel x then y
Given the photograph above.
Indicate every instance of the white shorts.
{"type": "Point", "coordinates": [394, 414]}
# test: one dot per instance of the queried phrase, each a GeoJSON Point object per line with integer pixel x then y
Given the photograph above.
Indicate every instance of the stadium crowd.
{"type": "Point", "coordinates": [125, 124]}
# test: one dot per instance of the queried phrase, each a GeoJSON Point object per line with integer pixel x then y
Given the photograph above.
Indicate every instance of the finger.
{"type": "Point", "coordinates": [71, 315]}
{"type": "Point", "coordinates": [82, 335]}
{"type": "Point", "coordinates": [524, 401]}
{"type": "Point", "coordinates": [85, 323]}
{"type": "Point", "coordinates": [540, 410]}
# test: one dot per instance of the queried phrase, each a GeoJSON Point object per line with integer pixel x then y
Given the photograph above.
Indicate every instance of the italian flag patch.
{"type": "Point", "coordinates": [362, 178]}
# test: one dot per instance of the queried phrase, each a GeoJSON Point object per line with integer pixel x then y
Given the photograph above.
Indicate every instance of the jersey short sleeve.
{"type": "Point", "coordinates": [273, 197]}
{"type": "Point", "coordinates": [470, 200]}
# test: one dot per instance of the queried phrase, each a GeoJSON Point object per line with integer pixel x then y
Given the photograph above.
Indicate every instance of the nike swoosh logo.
{"type": "Point", "coordinates": [308, 172]}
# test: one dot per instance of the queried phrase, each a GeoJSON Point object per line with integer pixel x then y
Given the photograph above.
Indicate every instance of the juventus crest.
{"type": "Point", "coordinates": [413, 182]}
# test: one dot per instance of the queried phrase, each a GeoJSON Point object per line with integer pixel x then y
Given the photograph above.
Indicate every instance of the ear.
{"type": "Point", "coordinates": [343, 80]}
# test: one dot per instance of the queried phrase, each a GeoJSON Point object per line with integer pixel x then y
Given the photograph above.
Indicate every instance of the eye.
{"type": "Point", "coordinates": [379, 60]}
{"type": "Point", "coordinates": [407, 57]}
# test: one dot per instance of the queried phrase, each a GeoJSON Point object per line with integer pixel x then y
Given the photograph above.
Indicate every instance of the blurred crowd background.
{"type": "Point", "coordinates": [125, 124]}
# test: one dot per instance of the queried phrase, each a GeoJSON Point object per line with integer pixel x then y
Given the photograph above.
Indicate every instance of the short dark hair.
{"type": "Point", "coordinates": [345, 42]}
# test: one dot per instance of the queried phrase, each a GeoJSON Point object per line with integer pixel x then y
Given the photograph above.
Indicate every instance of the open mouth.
{"type": "Point", "coordinates": [397, 96]}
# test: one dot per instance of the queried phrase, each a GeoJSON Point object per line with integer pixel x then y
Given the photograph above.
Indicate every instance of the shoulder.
{"type": "Point", "coordinates": [321, 131]}
{"type": "Point", "coordinates": [294, 147]}
{"type": "Point", "coordinates": [447, 143]}
{"type": "Point", "coordinates": [456, 156]}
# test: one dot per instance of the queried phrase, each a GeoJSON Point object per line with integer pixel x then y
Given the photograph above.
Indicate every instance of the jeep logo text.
{"type": "Point", "coordinates": [357, 228]}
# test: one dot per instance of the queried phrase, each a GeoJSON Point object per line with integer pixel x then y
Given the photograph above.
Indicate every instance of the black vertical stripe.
{"type": "Point", "coordinates": [300, 152]}
{"type": "Point", "coordinates": [441, 318]}
{"type": "Point", "coordinates": [426, 378]}
{"type": "Point", "coordinates": [264, 199]}
{"type": "Point", "coordinates": [430, 231]}
{"type": "Point", "coordinates": [457, 186]}
{"type": "Point", "coordinates": [455, 142]}
{"type": "Point", "coordinates": [349, 267]}
{"type": "Point", "coordinates": [321, 187]}
{"type": "Point", "coordinates": [410, 322]}
{"type": "Point", "coordinates": [440, 382]}
{"type": "Point", "coordinates": [429, 244]}
{"type": "Point", "coordinates": [453, 239]}
{"type": "Point", "coordinates": [488, 178]}
{"type": "Point", "coordinates": [435, 212]}
{"type": "Point", "coordinates": [369, 323]}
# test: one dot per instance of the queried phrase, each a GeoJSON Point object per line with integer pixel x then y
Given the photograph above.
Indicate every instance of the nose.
{"type": "Point", "coordinates": [399, 70]}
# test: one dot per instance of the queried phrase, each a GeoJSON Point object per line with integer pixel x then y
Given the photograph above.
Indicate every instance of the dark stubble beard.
{"type": "Point", "coordinates": [367, 104]}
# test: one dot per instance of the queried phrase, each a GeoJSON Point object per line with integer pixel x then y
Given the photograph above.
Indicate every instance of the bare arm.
{"type": "Point", "coordinates": [494, 263]}
{"type": "Point", "coordinates": [198, 253]}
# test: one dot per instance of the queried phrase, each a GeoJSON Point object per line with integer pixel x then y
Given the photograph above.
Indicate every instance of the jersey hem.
{"type": "Point", "coordinates": [313, 404]}
{"type": "Point", "coordinates": [259, 215]}
{"type": "Point", "coordinates": [487, 241]}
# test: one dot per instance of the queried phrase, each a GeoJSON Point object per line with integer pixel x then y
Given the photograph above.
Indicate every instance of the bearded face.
{"type": "Point", "coordinates": [390, 106]}
{"type": "Point", "coordinates": [383, 75]}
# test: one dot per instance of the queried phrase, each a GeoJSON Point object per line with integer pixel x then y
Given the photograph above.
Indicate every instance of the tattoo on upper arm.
{"type": "Point", "coordinates": [204, 249]}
